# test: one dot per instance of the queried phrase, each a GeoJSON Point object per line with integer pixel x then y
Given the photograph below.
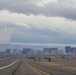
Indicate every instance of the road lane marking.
{"type": "Point", "coordinates": [9, 65]}
{"type": "Point", "coordinates": [46, 73]}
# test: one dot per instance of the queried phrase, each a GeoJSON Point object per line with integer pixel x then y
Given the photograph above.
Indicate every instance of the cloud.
{"type": "Point", "coordinates": [57, 24]}
{"type": "Point", "coordinates": [61, 8]}
{"type": "Point", "coordinates": [33, 35]}
{"type": "Point", "coordinates": [22, 34]}
{"type": "Point", "coordinates": [5, 34]}
{"type": "Point", "coordinates": [38, 21]}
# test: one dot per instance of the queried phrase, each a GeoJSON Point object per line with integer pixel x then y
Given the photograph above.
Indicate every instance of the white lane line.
{"type": "Point", "coordinates": [9, 65]}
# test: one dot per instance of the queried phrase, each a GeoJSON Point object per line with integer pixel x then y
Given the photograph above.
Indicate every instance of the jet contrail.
{"type": "Point", "coordinates": [6, 33]}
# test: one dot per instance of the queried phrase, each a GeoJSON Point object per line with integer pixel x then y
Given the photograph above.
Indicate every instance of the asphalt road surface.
{"type": "Point", "coordinates": [51, 70]}
{"type": "Point", "coordinates": [5, 62]}
{"type": "Point", "coordinates": [19, 67]}
{"type": "Point", "coordinates": [28, 67]}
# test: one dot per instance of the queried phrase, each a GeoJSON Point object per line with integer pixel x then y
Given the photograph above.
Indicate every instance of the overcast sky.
{"type": "Point", "coordinates": [38, 21]}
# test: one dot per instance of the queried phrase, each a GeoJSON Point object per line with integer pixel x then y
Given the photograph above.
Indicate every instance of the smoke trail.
{"type": "Point", "coordinates": [5, 34]}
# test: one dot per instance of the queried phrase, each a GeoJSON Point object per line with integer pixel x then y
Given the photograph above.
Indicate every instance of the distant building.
{"type": "Point", "coordinates": [8, 51]}
{"type": "Point", "coordinates": [26, 50]}
{"type": "Point", "coordinates": [16, 51]}
{"type": "Point", "coordinates": [73, 51]}
{"type": "Point", "coordinates": [68, 49]}
{"type": "Point", "coordinates": [32, 53]}
{"type": "Point", "coordinates": [51, 51]}
{"type": "Point", "coordinates": [61, 52]}
{"type": "Point", "coordinates": [39, 53]}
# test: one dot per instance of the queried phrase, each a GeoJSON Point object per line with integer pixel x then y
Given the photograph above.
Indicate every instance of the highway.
{"type": "Point", "coordinates": [50, 69]}
{"type": "Point", "coordinates": [29, 67]}
{"type": "Point", "coordinates": [5, 62]}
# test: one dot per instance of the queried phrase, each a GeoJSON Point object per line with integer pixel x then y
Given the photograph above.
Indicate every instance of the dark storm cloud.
{"type": "Point", "coordinates": [62, 8]}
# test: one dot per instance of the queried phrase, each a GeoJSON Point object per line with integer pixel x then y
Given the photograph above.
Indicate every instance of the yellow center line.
{"type": "Point", "coordinates": [46, 73]}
